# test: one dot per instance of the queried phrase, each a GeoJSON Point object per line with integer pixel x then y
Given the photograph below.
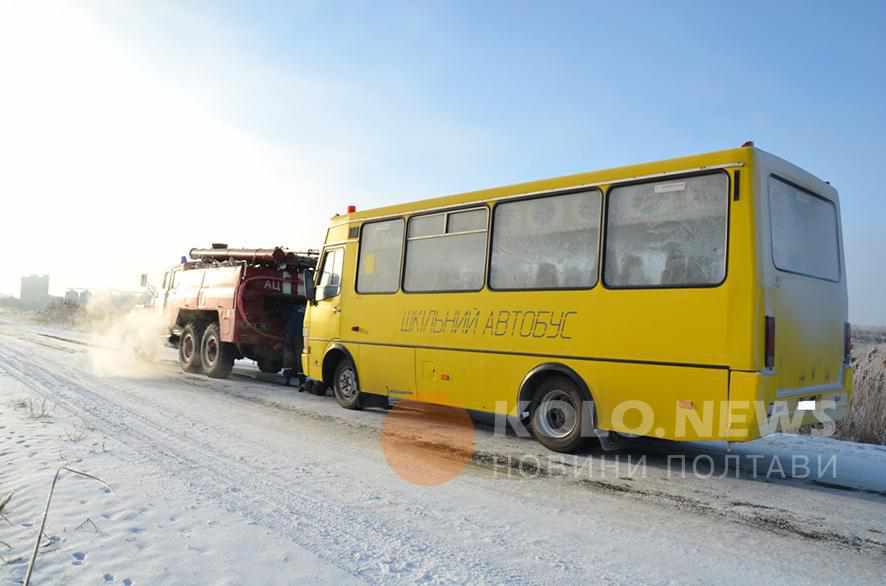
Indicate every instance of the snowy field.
{"type": "Point", "coordinates": [246, 481]}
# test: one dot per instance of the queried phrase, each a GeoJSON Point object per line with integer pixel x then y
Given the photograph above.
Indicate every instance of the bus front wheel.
{"type": "Point", "coordinates": [345, 387]}
{"type": "Point", "coordinates": [557, 418]}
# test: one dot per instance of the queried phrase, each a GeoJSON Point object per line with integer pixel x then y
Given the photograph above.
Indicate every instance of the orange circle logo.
{"type": "Point", "coordinates": [427, 444]}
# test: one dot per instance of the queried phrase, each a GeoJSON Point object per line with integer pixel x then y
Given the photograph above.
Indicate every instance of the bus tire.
{"type": "Point", "coordinates": [189, 355]}
{"type": "Point", "coordinates": [345, 386]}
{"type": "Point", "coordinates": [217, 356]}
{"type": "Point", "coordinates": [556, 420]}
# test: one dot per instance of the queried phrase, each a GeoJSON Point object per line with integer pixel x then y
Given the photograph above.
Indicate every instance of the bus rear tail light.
{"type": "Point", "coordinates": [769, 360]}
{"type": "Point", "coordinates": [847, 344]}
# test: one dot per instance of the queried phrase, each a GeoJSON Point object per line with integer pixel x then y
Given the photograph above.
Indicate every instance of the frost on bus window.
{"type": "Point", "coordinates": [466, 221]}
{"type": "Point", "coordinates": [427, 225]}
{"type": "Point", "coordinates": [669, 233]}
{"type": "Point", "coordinates": [804, 232]}
{"type": "Point", "coordinates": [546, 243]}
{"type": "Point", "coordinates": [381, 247]}
{"type": "Point", "coordinates": [450, 261]}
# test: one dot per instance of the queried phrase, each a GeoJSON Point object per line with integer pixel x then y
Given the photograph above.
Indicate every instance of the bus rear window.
{"type": "Point", "coordinates": [804, 232]}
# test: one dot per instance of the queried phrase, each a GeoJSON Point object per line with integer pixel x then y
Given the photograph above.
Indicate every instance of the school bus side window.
{"type": "Point", "coordinates": [546, 242]}
{"type": "Point", "coordinates": [330, 277]}
{"type": "Point", "coordinates": [669, 233]}
{"type": "Point", "coordinates": [446, 251]}
{"type": "Point", "coordinates": [381, 249]}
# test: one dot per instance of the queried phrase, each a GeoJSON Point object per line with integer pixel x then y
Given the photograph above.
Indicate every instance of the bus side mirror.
{"type": "Point", "coordinates": [310, 291]}
{"type": "Point", "coordinates": [143, 280]}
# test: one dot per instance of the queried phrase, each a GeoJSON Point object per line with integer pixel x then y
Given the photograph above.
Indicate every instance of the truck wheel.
{"type": "Point", "coordinates": [345, 387]}
{"type": "Point", "coordinates": [557, 417]}
{"type": "Point", "coordinates": [269, 366]}
{"type": "Point", "coordinates": [217, 356]}
{"type": "Point", "coordinates": [189, 348]}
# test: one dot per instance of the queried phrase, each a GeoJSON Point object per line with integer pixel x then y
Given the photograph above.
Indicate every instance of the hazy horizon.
{"type": "Point", "coordinates": [134, 132]}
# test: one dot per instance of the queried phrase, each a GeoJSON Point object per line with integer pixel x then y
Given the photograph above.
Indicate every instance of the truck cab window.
{"type": "Point", "coordinates": [330, 277]}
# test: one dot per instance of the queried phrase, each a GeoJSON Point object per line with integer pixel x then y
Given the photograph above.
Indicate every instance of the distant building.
{"type": "Point", "coordinates": [79, 297]}
{"type": "Point", "coordinates": [35, 291]}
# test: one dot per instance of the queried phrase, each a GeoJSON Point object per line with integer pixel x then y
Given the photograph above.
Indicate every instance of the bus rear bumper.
{"type": "Point", "coordinates": [757, 407]}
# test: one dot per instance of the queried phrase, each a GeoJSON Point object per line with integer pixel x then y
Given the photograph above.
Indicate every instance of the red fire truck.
{"type": "Point", "coordinates": [226, 303]}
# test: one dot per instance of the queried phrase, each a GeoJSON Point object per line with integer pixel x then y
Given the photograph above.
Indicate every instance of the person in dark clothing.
{"type": "Point", "coordinates": [293, 343]}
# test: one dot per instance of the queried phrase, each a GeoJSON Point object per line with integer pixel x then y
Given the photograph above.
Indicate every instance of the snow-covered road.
{"type": "Point", "coordinates": [247, 481]}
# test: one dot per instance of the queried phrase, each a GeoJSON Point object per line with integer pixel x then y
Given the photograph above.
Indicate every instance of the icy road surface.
{"type": "Point", "coordinates": [246, 481]}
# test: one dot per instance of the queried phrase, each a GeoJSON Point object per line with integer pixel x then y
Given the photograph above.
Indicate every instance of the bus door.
{"type": "Point", "coordinates": [325, 323]}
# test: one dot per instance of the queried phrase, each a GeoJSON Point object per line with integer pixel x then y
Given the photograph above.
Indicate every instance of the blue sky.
{"type": "Point", "coordinates": [374, 103]}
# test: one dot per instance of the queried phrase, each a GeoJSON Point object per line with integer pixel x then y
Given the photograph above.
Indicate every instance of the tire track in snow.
{"type": "Point", "coordinates": [348, 537]}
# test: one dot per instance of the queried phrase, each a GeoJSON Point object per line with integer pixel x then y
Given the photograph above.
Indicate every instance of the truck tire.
{"type": "Point", "coordinates": [269, 366]}
{"type": "Point", "coordinates": [557, 418]}
{"type": "Point", "coordinates": [345, 386]}
{"type": "Point", "coordinates": [189, 347]}
{"type": "Point", "coordinates": [217, 356]}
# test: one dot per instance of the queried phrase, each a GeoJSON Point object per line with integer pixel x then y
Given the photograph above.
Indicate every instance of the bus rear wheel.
{"type": "Point", "coordinates": [217, 356]}
{"type": "Point", "coordinates": [345, 387]}
{"type": "Point", "coordinates": [557, 417]}
{"type": "Point", "coordinates": [189, 355]}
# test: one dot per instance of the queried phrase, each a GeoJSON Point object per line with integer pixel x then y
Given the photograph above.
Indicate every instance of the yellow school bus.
{"type": "Point", "coordinates": [686, 299]}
